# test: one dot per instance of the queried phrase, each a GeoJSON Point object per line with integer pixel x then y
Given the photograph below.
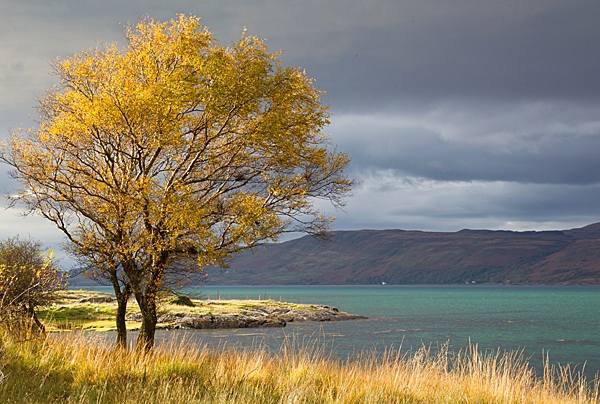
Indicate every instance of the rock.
{"type": "Point", "coordinates": [255, 318]}
{"type": "Point", "coordinates": [103, 299]}
{"type": "Point", "coordinates": [212, 322]}
{"type": "Point", "coordinates": [133, 317]}
{"type": "Point", "coordinates": [320, 313]}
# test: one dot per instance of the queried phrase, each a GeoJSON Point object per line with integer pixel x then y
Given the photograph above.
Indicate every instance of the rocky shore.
{"type": "Point", "coordinates": [267, 316]}
{"type": "Point", "coordinates": [96, 311]}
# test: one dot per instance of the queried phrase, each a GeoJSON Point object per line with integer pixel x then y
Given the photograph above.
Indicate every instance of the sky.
{"type": "Point", "coordinates": [456, 114]}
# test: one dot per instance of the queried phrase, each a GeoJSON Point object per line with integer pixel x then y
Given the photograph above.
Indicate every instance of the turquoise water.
{"type": "Point", "coordinates": [561, 321]}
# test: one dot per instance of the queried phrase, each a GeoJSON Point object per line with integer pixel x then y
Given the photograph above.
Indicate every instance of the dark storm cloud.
{"type": "Point", "coordinates": [368, 53]}
{"type": "Point", "coordinates": [432, 50]}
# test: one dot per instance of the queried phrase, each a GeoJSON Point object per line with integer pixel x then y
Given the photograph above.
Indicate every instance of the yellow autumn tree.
{"type": "Point", "coordinates": [175, 149]}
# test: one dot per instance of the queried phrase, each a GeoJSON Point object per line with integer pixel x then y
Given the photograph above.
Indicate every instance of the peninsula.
{"type": "Point", "coordinates": [88, 310]}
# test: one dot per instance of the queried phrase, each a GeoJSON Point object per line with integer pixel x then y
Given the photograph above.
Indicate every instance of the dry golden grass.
{"type": "Point", "coordinates": [72, 368]}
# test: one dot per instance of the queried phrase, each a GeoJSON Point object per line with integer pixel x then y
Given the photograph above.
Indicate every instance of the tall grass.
{"type": "Point", "coordinates": [72, 368]}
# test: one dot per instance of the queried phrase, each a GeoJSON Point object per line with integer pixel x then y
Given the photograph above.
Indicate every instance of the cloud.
{"type": "Point", "coordinates": [455, 114]}
{"type": "Point", "coordinates": [457, 140]}
{"type": "Point", "coordinates": [502, 50]}
{"type": "Point", "coordinates": [365, 53]}
{"type": "Point", "coordinates": [385, 200]}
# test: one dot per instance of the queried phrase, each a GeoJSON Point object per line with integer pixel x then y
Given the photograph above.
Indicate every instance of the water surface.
{"type": "Point", "coordinates": [561, 321]}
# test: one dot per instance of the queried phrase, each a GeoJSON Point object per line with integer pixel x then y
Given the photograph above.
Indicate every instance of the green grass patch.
{"type": "Point", "coordinates": [71, 316]}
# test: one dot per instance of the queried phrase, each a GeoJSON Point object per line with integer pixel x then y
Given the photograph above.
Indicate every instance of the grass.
{"type": "Point", "coordinates": [72, 368]}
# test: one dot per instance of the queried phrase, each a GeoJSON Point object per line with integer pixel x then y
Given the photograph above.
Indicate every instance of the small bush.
{"type": "Point", "coordinates": [182, 300]}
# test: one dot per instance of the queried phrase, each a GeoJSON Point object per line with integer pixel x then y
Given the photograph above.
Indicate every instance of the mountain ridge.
{"type": "Point", "coordinates": [396, 256]}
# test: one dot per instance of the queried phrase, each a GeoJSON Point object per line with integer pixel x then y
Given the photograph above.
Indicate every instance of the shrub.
{"type": "Point", "coordinates": [29, 278]}
{"type": "Point", "coordinates": [182, 300]}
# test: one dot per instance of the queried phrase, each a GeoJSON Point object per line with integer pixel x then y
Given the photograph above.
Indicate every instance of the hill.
{"type": "Point", "coordinates": [418, 257]}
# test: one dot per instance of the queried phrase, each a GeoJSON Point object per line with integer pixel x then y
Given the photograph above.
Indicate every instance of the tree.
{"type": "Point", "coordinates": [29, 278]}
{"type": "Point", "coordinates": [175, 149]}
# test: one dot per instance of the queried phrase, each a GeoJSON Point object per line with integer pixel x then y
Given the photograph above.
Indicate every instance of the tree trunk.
{"type": "Point", "coordinates": [122, 299]}
{"type": "Point", "coordinates": [147, 303]}
{"type": "Point", "coordinates": [146, 299]}
{"type": "Point", "coordinates": [31, 311]}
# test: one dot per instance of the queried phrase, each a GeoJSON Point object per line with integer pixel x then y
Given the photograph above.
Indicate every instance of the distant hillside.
{"type": "Point", "coordinates": [417, 257]}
